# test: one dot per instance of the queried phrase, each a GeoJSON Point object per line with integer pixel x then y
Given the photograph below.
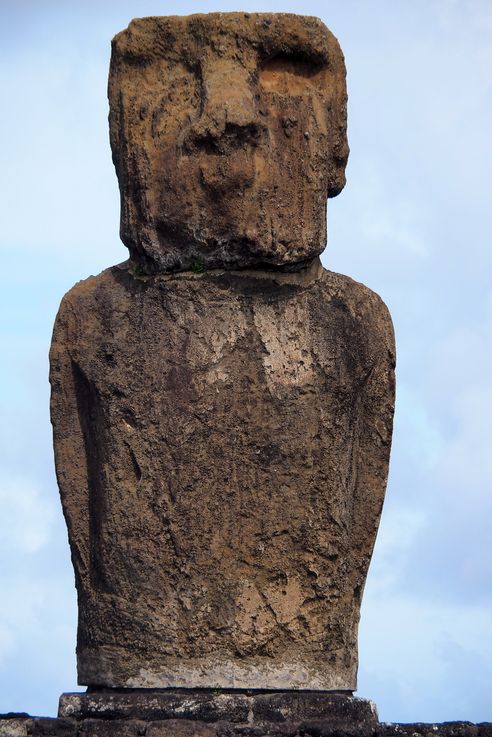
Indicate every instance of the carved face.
{"type": "Point", "coordinates": [228, 133]}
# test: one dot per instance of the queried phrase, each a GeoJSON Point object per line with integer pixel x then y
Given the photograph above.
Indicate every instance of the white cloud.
{"type": "Point", "coordinates": [416, 429]}
{"type": "Point", "coordinates": [418, 659]}
{"type": "Point", "coordinates": [460, 382]}
{"type": "Point", "coordinates": [466, 463]}
{"type": "Point", "coordinates": [27, 516]}
{"type": "Point", "coordinates": [7, 645]}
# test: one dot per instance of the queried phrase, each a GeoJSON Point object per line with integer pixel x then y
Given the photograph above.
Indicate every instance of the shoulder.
{"type": "Point", "coordinates": [93, 295]}
{"type": "Point", "coordinates": [87, 303]}
{"type": "Point", "coordinates": [90, 290]}
{"type": "Point", "coordinates": [355, 296]}
{"type": "Point", "coordinates": [363, 306]}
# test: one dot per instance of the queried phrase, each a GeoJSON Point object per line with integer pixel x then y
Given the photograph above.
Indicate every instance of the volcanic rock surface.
{"type": "Point", "coordinates": [222, 433]}
{"type": "Point", "coordinates": [228, 133]}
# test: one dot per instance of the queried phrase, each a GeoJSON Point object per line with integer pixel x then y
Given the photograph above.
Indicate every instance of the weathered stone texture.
{"type": "Point", "coordinates": [222, 435]}
{"type": "Point", "coordinates": [232, 707]}
{"type": "Point", "coordinates": [228, 133]}
{"type": "Point", "coordinates": [222, 446]}
{"type": "Point", "coordinates": [36, 727]}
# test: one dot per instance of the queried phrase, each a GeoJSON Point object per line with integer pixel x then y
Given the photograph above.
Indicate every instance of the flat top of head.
{"type": "Point", "coordinates": [228, 133]}
{"type": "Point", "coordinates": [154, 36]}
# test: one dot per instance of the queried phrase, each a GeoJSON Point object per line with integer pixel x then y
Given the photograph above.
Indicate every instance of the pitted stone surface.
{"type": "Point", "coordinates": [205, 706]}
{"type": "Point", "coordinates": [228, 133]}
{"type": "Point", "coordinates": [222, 435]}
{"type": "Point", "coordinates": [211, 706]}
{"type": "Point", "coordinates": [37, 727]}
{"type": "Point", "coordinates": [222, 446]}
{"type": "Point", "coordinates": [13, 726]}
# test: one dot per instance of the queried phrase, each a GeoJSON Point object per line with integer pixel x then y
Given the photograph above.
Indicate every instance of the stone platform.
{"type": "Point", "coordinates": [205, 713]}
{"type": "Point", "coordinates": [209, 706]}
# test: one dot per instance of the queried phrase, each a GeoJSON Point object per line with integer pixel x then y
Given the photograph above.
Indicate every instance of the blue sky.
{"type": "Point", "coordinates": [413, 223]}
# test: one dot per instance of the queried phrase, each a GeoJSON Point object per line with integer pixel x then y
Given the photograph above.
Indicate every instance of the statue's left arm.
{"type": "Point", "coordinates": [373, 438]}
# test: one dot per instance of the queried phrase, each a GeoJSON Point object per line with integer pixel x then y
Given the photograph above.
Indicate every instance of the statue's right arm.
{"type": "Point", "coordinates": [69, 439]}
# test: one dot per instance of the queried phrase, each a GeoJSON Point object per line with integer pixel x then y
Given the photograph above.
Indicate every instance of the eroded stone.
{"type": "Point", "coordinates": [226, 707]}
{"type": "Point", "coordinates": [222, 435]}
{"type": "Point", "coordinates": [228, 133]}
{"type": "Point", "coordinates": [222, 445]}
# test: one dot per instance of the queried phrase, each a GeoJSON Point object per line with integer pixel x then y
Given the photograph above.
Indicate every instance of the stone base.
{"type": "Point", "coordinates": [205, 713]}
{"type": "Point", "coordinates": [238, 708]}
{"type": "Point", "coordinates": [24, 726]}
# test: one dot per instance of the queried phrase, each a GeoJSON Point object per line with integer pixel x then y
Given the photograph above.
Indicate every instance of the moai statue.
{"type": "Point", "coordinates": [222, 405]}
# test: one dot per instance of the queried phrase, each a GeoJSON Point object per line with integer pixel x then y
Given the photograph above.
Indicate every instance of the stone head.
{"type": "Point", "coordinates": [228, 133]}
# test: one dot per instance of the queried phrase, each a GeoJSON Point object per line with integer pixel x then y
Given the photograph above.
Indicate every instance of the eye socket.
{"type": "Point", "coordinates": [289, 73]}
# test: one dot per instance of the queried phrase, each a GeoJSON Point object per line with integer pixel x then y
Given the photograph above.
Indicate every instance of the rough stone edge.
{"type": "Point", "coordinates": [103, 666]}
{"type": "Point", "coordinates": [28, 726]}
{"type": "Point", "coordinates": [209, 706]}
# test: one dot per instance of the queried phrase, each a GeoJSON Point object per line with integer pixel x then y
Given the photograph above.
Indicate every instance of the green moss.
{"type": "Point", "coordinates": [197, 267]}
{"type": "Point", "coordinates": [137, 271]}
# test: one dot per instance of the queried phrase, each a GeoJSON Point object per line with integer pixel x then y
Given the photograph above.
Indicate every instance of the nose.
{"type": "Point", "coordinates": [228, 118]}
